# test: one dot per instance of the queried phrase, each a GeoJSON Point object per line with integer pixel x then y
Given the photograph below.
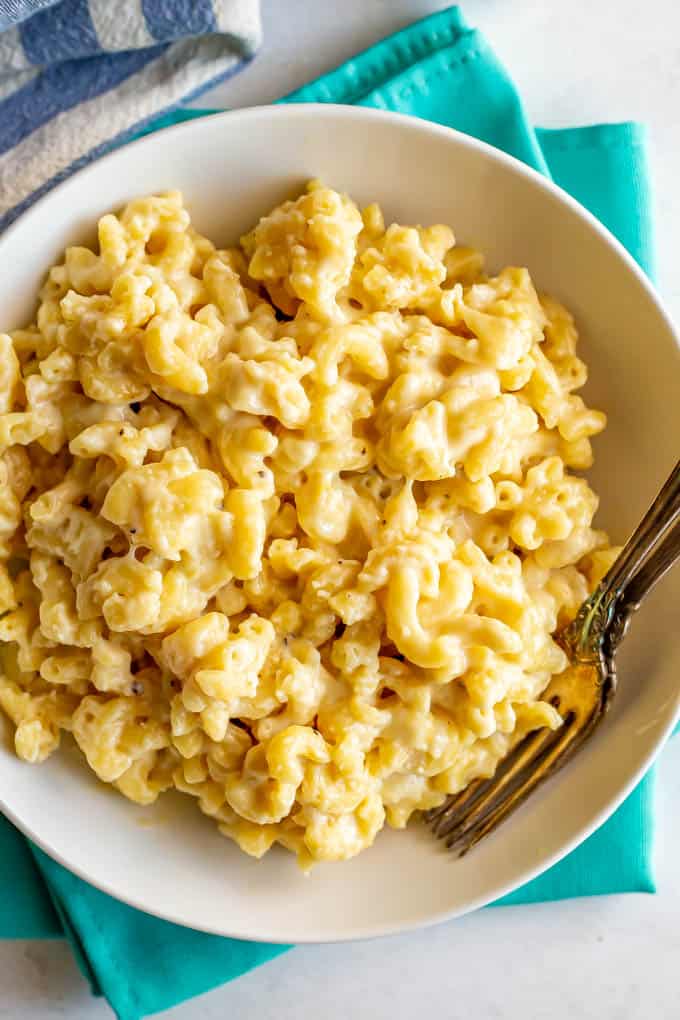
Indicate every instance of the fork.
{"type": "Point", "coordinates": [584, 691]}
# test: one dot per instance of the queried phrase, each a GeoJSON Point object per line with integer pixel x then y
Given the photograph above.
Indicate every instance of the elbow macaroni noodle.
{"type": "Point", "coordinates": [290, 526]}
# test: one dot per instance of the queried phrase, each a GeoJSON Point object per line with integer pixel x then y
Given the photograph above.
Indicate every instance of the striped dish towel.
{"type": "Point", "coordinates": [80, 76]}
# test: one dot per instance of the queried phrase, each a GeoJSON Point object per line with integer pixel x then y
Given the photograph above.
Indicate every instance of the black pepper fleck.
{"type": "Point", "coordinates": [135, 406]}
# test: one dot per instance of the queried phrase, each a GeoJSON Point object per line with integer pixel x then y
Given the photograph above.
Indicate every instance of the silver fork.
{"type": "Point", "coordinates": [584, 691]}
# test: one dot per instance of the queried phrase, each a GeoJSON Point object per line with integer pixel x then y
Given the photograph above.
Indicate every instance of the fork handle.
{"type": "Point", "coordinates": [648, 554]}
{"type": "Point", "coordinates": [659, 519]}
{"type": "Point", "coordinates": [647, 577]}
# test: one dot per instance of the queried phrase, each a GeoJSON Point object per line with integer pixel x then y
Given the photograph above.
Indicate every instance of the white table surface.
{"type": "Point", "coordinates": [609, 958]}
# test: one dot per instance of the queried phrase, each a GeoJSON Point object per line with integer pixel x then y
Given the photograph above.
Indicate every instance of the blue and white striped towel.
{"type": "Point", "coordinates": [79, 76]}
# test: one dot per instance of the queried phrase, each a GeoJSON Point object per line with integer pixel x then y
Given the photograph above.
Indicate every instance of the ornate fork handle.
{"type": "Point", "coordinates": [649, 574]}
{"type": "Point", "coordinates": [649, 553]}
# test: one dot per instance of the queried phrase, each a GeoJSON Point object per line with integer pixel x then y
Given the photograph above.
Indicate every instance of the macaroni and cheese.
{"type": "Point", "coordinates": [290, 526]}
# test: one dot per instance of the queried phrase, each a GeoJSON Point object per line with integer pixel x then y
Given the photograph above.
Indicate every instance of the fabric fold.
{"type": "Point", "coordinates": [79, 77]}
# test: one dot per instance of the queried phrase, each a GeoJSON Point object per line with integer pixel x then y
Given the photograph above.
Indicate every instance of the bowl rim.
{"type": "Point", "coordinates": [414, 125]}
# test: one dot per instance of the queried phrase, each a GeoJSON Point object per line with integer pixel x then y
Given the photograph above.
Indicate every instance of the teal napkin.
{"type": "Point", "coordinates": [440, 70]}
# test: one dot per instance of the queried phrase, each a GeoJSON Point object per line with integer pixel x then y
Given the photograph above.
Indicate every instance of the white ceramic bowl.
{"type": "Point", "coordinates": [169, 860]}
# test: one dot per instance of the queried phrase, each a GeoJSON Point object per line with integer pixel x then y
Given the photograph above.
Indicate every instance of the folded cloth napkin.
{"type": "Point", "coordinates": [438, 70]}
{"type": "Point", "coordinates": [79, 76]}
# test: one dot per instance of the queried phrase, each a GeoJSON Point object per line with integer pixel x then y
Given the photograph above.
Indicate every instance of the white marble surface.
{"type": "Point", "coordinates": [613, 958]}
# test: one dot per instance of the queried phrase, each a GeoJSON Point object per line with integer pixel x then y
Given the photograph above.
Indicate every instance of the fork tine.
{"type": "Point", "coordinates": [570, 739]}
{"type": "Point", "coordinates": [455, 805]}
{"type": "Point", "coordinates": [504, 779]}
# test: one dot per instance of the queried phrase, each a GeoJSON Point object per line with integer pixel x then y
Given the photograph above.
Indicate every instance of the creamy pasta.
{"type": "Point", "coordinates": [290, 526]}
